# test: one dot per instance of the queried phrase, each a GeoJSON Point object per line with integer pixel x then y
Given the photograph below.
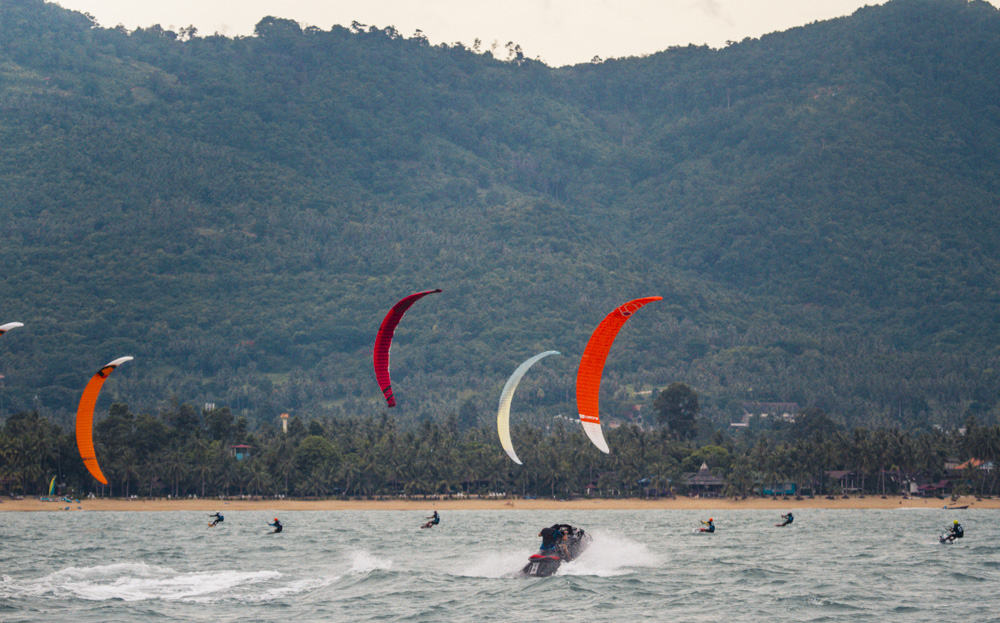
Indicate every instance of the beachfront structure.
{"type": "Point", "coordinates": [704, 483]}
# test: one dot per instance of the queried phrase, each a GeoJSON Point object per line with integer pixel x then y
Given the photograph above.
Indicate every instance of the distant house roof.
{"type": "Point", "coordinates": [704, 478]}
{"type": "Point", "coordinates": [941, 484]}
{"type": "Point", "coordinates": [970, 463]}
{"type": "Point", "coordinates": [784, 409]}
{"type": "Point", "coordinates": [837, 474]}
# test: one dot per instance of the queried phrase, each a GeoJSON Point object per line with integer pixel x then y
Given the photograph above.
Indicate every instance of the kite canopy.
{"type": "Point", "coordinates": [588, 378]}
{"type": "Point", "coordinates": [383, 340]}
{"type": "Point", "coordinates": [503, 413]}
{"type": "Point", "coordinates": [85, 418]}
{"type": "Point", "coordinates": [10, 325]}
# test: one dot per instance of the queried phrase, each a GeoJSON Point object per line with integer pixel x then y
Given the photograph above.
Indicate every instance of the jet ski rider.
{"type": "Point", "coordinates": [551, 537]}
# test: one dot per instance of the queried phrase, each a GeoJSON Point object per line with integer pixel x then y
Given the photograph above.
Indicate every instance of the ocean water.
{"type": "Point", "coordinates": [830, 565]}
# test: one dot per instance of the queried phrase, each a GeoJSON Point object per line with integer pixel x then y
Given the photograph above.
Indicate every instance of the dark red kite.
{"type": "Point", "coordinates": [383, 340]}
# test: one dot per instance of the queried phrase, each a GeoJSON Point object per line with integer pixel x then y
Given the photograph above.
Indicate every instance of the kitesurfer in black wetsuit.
{"type": "Point", "coordinates": [435, 519]}
{"type": "Point", "coordinates": [956, 532]}
{"type": "Point", "coordinates": [218, 519]}
{"type": "Point", "coordinates": [709, 525]}
{"type": "Point", "coordinates": [277, 526]}
{"type": "Point", "coordinates": [788, 519]}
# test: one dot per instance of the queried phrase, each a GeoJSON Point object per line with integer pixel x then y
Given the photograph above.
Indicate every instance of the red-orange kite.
{"type": "Point", "coordinates": [85, 418]}
{"type": "Point", "coordinates": [588, 378]}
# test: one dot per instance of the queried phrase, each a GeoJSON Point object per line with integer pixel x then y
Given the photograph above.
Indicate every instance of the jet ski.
{"type": "Point", "coordinates": [547, 561]}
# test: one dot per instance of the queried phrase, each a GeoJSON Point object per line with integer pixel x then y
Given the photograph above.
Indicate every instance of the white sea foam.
{"type": "Point", "coordinates": [610, 554]}
{"type": "Point", "coordinates": [493, 565]}
{"type": "Point", "coordinates": [139, 581]}
{"type": "Point", "coordinates": [366, 562]}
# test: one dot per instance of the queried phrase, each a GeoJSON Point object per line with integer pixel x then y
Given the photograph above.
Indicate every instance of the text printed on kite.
{"type": "Point", "coordinates": [588, 378]}
{"type": "Point", "coordinates": [506, 395]}
{"type": "Point", "coordinates": [85, 418]}
{"type": "Point", "coordinates": [383, 341]}
{"type": "Point", "coordinates": [10, 325]}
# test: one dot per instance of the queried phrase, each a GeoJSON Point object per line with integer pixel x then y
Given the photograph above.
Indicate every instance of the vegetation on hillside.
{"type": "Point", "coordinates": [817, 208]}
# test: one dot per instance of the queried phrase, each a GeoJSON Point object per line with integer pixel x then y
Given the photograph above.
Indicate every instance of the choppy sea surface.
{"type": "Point", "coordinates": [829, 565]}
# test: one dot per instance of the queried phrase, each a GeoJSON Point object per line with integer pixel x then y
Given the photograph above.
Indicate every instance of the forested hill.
{"type": "Point", "coordinates": [818, 209]}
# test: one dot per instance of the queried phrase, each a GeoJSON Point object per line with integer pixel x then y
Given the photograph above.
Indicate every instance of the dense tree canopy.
{"type": "Point", "coordinates": [677, 406]}
{"type": "Point", "coordinates": [164, 455]}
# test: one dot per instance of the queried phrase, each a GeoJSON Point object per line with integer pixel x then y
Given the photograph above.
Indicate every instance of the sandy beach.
{"type": "Point", "coordinates": [680, 503]}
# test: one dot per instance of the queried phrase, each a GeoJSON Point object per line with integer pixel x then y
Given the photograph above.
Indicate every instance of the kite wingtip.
{"type": "Point", "coordinates": [595, 435]}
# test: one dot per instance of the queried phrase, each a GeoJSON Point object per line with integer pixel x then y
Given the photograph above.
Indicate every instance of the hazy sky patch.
{"type": "Point", "coordinates": [559, 32]}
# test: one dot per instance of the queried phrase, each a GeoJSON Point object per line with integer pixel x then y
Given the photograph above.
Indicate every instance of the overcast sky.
{"type": "Point", "coordinates": [559, 32]}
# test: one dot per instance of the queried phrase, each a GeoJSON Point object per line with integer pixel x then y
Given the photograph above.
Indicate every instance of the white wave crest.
{"type": "Point", "coordinates": [494, 565]}
{"type": "Point", "coordinates": [136, 581]}
{"type": "Point", "coordinates": [609, 555]}
{"type": "Point", "coordinates": [365, 562]}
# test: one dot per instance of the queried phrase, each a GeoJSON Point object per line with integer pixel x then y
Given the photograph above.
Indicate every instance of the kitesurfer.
{"type": "Point", "coordinates": [276, 525]}
{"type": "Point", "coordinates": [434, 520]}
{"type": "Point", "coordinates": [788, 519]}
{"type": "Point", "coordinates": [218, 519]}
{"type": "Point", "coordinates": [956, 532]}
{"type": "Point", "coordinates": [709, 525]}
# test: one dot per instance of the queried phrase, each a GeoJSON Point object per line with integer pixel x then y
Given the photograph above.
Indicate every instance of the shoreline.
{"type": "Point", "coordinates": [500, 504]}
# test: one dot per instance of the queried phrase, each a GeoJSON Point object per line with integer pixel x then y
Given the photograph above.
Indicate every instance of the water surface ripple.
{"type": "Point", "coordinates": [830, 565]}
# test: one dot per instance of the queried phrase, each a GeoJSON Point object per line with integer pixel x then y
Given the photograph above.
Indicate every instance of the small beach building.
{"type": "Point", "coordinates": [704, 483]}
{"type": "Point", "coordinates": [846, 480]}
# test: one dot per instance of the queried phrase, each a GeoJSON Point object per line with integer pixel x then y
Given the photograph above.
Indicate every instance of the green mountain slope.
{"type": "Point", "coordinates": [817, 207]}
